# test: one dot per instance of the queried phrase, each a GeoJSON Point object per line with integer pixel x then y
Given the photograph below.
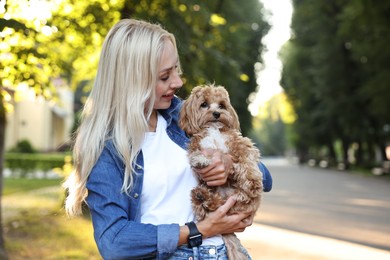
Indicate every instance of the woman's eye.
{"type": "Point", "coordinates": [204, 105]}
{"type": "Point", "coordinates": [164, 78]}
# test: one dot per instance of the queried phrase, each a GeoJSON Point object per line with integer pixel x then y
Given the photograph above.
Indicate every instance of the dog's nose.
{"type": "Point", "coordinates": [216, 114]}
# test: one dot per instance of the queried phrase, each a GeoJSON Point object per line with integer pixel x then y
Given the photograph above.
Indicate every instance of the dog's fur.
{"type": "Point", "coordinates": [208, 117]}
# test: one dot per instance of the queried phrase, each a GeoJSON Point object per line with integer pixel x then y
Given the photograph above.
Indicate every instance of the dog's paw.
{"type": "Point", "coordinates": [199, 195]}
{"type": "Point", "coordinates": [199, 160]}
{"type": "Point", "coordinates": [207, 198]}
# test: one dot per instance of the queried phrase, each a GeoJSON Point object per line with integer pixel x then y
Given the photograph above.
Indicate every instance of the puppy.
{"type": "Point", "coordinates": [212, 123]}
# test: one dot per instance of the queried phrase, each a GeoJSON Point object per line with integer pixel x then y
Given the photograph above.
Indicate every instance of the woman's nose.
{"type": "Point", "coordinates": [177, 81]}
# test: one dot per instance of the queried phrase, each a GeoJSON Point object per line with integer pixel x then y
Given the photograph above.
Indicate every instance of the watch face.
{"type": "Point", "coordinates": [196, 240]}
{"type": "Point", "coordinates": [195, 237]}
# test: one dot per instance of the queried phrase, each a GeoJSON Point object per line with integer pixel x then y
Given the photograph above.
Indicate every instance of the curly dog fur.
{"type": "Point", "coordinates": [210, 120]}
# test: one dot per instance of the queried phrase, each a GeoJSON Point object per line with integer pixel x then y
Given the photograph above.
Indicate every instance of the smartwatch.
{"type": "Point", "coordinates": [195, 237]}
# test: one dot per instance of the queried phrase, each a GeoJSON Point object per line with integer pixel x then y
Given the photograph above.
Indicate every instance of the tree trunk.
{"type": "Point", "coordinates": [359, 153]}
{"type": "Point", "coordinates": [382, 148]}
{"type": "Point", "coordinates": [332, 154]}
{"type": "Point", "coordinates": [345, 144]}
{"type": "Point", "coordinates": [3, 252]}
{"type": "Point", "coordinates": [370, 153]}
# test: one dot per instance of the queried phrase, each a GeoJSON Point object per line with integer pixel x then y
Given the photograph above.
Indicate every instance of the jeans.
{"type": "Point", "coordinates": [203, 253]}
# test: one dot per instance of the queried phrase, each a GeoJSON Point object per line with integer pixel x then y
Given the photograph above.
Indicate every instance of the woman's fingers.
{"type": "Point", "coordinates": [227, 206]}
{"type": "Point", "coordinates": [217, 172]}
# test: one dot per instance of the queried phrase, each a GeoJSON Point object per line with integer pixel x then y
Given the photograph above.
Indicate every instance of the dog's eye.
{"type": "Point", "coordinates": [204, 105]}
{"type": "Point", "coordinates": [221, 106]}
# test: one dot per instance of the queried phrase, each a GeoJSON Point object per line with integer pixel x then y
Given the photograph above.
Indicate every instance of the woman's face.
{"type": "Point", "coordinates": [168, 77]}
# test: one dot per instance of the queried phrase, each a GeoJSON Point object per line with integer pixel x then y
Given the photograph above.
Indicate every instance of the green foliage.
{"type": "Point", "coordinates": [271, 129]}
{"type": "Point", "coordinates": [22, 163]}
{"type": "Point", "coordinates": [217, 42]}
{"type": "Point", "coordinates": [60, 39]}
{"type": "Point", "coordinates": [335, 75]}
{"type": "Point", "coordinates": [23, 146]}
{"type": "Point", "coordinates": [81, 29]}
{"type": "Point", "coordinates": [271, 138]}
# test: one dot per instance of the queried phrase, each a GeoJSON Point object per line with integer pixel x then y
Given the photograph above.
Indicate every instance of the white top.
{"type": "Point", "coordinates": [168, 181]}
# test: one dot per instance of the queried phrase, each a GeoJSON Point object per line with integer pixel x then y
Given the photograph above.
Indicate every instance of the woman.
{"type": "Point", "coordinates": [131, 165]}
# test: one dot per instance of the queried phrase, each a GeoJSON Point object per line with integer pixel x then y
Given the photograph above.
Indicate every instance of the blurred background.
{"type": "Point", "coordinates": [310, 81]}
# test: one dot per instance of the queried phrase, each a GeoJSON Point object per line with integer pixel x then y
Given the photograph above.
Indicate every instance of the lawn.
{"type": "Point", "coordinates": [35, 225]}
{"type": "Point", "coordinates": [13, 185]}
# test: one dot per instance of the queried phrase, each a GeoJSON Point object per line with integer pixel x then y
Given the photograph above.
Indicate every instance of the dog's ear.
{"type": "Point", "coordinates": [196, 90]}
{"type": "Point", "coordinates": [189, 112]}
{"type": "Point", "coordinates": [235, 122]}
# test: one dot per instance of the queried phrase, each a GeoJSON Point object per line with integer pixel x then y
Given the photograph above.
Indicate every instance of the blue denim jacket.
{"type": "Point", "coordinates": [116, 216]}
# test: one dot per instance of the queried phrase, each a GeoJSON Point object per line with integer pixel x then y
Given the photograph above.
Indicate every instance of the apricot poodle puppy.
{"type": "Point", "coordinates": [211, 122]}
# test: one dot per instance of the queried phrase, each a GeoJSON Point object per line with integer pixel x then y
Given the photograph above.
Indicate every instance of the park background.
{"type": "Point", "coordinates": [330, 105]}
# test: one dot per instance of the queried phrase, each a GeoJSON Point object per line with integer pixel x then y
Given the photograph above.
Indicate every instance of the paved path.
{"type": "Point", "coordinates": [321, 214]}
{"type": "Point", "coordinates": [269, 243]}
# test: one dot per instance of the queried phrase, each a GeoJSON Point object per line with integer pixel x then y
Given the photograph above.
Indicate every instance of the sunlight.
{"type": "Point", "coordinates": [388, 152]}
{"type": "Point", "coordinates": [369, 203]}
{"type": "Point", "coordinates": [2, 6]}
{"type": "Point", "coordinates": [24, 92]}
{"type": "Point", "coordinates": [316, 247]}
{"type": "Point", "coordinates": [269, 75]}
{"type": "Point", "coordinates": [216, 20]}
{"type": "Point", "coordinates": [35, 11]}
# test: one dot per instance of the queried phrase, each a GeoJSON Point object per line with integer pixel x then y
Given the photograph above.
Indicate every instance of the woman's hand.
{"type": "Point", "coordinates": [218, 222]}
{"type": "Point", "coordinates": [217, 172]}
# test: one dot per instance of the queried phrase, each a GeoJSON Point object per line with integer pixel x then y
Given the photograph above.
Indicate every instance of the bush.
{"type": "Point", "coordinates": [23, 146]}
{"type": "Point", "coordinates": [24, 163]}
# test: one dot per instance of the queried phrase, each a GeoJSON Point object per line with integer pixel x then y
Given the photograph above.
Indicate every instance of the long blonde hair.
{"type": "Point", "coordinates": [119, 104]}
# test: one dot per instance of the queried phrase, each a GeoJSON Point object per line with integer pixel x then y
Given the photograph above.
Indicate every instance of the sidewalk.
{"type": "Point", "coordinates": [270, 243]}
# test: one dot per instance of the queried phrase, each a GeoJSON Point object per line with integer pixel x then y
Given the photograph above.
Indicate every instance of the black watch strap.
{"type": "Point", "coordinates": [195, 237]}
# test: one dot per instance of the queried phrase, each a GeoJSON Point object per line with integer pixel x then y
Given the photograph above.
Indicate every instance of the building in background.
{"type": "Point", "coordinates": [45, 124]}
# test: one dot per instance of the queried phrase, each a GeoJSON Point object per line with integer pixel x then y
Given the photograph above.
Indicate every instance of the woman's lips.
{"type": "Point", "coordinates": [170, 96]}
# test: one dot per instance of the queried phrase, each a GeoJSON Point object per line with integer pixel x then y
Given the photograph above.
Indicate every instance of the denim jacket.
{"type": "Point", "coordinates": [116, 216]}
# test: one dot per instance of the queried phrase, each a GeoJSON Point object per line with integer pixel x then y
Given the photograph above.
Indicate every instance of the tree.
{"type": "Point", "coordinates": [21, 62]}
{"type": "Point", "coordinates": [271, 128]}
{"type": "Point", "coordinates": [328, 80]}
{"type": "Point", "coordinates": [217, 42]}
{"type": "Point", "coordinates": [365, 26]}
{"type": "Point", "coordinates": [3, 253]}
{"type": "Point", "coordinates": [44, 40]}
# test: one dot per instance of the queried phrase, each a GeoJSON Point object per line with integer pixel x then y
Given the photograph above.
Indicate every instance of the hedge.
{"type": "Point", "coordinates": [23, 163]}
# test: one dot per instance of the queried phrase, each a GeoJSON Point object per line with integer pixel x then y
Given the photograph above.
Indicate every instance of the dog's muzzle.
{"type": "Point", "coordinates": [216, 114]}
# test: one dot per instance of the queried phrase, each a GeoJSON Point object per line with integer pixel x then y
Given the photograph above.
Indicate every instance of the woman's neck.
{"type": "Point", "coordinates": [152, 122]}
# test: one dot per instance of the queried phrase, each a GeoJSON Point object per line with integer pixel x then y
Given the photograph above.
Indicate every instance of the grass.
{"type": "Point", "coordinates": [38, 227]}
{"type": "Point", "coordinates": [49, 235]}
{"type": "Point", "coordinates": [13, 185]}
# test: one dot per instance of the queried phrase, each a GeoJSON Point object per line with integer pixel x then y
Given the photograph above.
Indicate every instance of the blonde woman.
{"type": "Point", "coordinates": [131, 167]}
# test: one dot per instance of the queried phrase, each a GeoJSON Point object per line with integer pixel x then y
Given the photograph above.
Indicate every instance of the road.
{"type": "Point", "coordinates": [328, 203]}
